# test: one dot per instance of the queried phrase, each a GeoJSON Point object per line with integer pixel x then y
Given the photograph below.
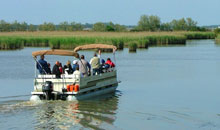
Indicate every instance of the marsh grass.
{"type": "Point", "coordinates": [218, 39]}
{"type": "Point", "coordinates": [132, 47]}
{"type": "Point", "coordinates": [200, 35]}
{"type": "Point", "coordinates": [69, 40]}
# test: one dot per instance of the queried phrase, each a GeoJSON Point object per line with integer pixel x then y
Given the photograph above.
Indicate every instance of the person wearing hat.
{"type": "Point", "coordinates": [75, 65]}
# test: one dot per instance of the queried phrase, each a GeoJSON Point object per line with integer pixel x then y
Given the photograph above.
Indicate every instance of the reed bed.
{"type": "Point", "coordinates": [218, 39]}
{"type": "Point", "coordinates": [132, 47]}
{"type": "Point", "coordinates": [200, 35]}
{"type": "Point", "coordinates": [69, 40]}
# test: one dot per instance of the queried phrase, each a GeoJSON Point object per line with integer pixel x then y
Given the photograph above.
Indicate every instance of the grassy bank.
{"type": "Point", "coordinates": [69, 40]}
{"type": "Point", "coordinates": [200, 35]}
{"type": "Point", "coordinates": [218, 39]}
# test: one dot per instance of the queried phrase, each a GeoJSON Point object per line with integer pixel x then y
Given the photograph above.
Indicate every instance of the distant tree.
{"type": "Point", "coordinates": [63, 26]}
{"type": "Point", "coordinates": [47, 27]}
{"type": "Point", "coordinates": [88, 25]}
{"type": "Point", "coordinates": [120, 28]}
{"type": "Point", "coordinates": [99, 26]}
{"type": "Point", "coordinates": [149, 23]}
{"type": "Point", "coordinates": [75, 26]}
{"type": "Point", "coordinates": [4, 26]}
{"type": "Point", "coordinates": [154, 22]}
{"type": "Point", "coordinates": [217, 31]}
{"type": "Point", "coordinates": [184, 24]}
{"type": "Point", "coordinates": [23, 26]}
{"type": "Point", "coordinates": [110, 27]}
{"type": "Point", "coordinates": [32, 28]}
{"type": "Point", "coordinates": [178, 25]}
{"type": "Point", "coordinates": [191, 25]}
{"type": "Point", "coordinates": [165, 27]}
{"type": "Point", "coordinates": [143, 23]}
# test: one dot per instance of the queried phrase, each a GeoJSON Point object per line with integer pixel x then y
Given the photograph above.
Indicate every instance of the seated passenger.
{"type": "Point", "coordinates": [77, 74]}
{"type": "Point", "coordinates": [110, 63]}
{"type": "Point", "coordinates": [104, 66]}
{"type": "Point", "coordinates": [61, 68]}
{"type": "Point", "coordinates": [68, 64]}
{"type": "Point", "coordinates": [56, 70]}
{"type": "Point", "coordinates": [75, 65]}
{"type": "Point", "coordinates": [48, 69]}
{"type": "Point", "coordinates": [65, 69]}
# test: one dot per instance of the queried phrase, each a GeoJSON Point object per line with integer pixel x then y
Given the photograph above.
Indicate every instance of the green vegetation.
{"type": "Point", "coordinates": [146, 23]}
{"type": "Point", "coordinates": [218, 39]}
{"type": "Point", "coordinates": [153, 23]}
{"type": "Point", "coordinates": [11, 43]}
{"type": "Point", "coordinates": [200, 35]}
{"type": "Point", "coordinates": [217, 31]}
{"type": "Point", "coordinates": [132, 47]}
{"type": "Point", "coordinates": [108, 27]}
{"type": "Point", "coordinates": [149, 23]}
{"type": "Point", "coordinates": [64, 40]}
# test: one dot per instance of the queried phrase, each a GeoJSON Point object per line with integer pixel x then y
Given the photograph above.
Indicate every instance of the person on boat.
{"type": "Point", "coordinates": [65, 69]}
{"type": "Point", "coordinates": [104, 66]}
{"type": "Point", "coordinates": [75, 65]}
{"type": "Point", "coordinates": [56, 70]}
{"type": "Point", "coordinates": [95, 64]}
{"type": "Point", "coordinates": [61, 68]}
{"type": "Point", "coordinates": [42, 65]}
{"type": "Point", "coordinates": [84, 66]}
{"type": "Point", "coordinates": [48, 69]}
{"type": "Point", "coordinates": [110, 63]}
{"type": "Point", "coordinates": [68, 68]}
{"type": "Point", "coordinates": [77, 74]}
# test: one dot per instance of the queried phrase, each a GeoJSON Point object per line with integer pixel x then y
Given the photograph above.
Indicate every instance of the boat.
{"type": "Point", "coordinates": [48, 87]}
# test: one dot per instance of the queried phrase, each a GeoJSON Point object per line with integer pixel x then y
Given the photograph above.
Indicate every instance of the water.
{"type": "Point", "coordinates": [174, 87]}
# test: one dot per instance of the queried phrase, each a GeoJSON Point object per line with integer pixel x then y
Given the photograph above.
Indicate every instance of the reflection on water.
{"type": "Point", "coordinates": [92, 114]}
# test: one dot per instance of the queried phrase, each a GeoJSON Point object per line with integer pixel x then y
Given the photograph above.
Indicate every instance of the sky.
{"type": "Point", "coordinates": [126, 12]}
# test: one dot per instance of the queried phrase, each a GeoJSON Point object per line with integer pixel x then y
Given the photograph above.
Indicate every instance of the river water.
{"type": "Point", "coordinates": [174, 87]}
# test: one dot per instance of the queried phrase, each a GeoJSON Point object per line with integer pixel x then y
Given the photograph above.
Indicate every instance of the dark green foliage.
{"type": "Point", "coordinates": [149, 23]}
{"type": "Point", "coordinates": [143, 43]}
{"type": "Point", "coordinates": [99, 26]}
{"type": "Point", "coordinates": [118, 43]}
{"type": "Point", "coordinates": [200, 35]}
{"type": "Point", "coordinates": [70, 42]}
{"type": "Point", "coordinates": [217, 31]}
{"type": "Point", "coordinates": [47, 27]}
{"type": "Point", "coordinates": [132, 47]}
{"type": "Point", "coordinates": [218, 39]}
{"type": "Point", "coordinates": [11, 43]}
{"type": "Point", "coordinates": [166, 40]}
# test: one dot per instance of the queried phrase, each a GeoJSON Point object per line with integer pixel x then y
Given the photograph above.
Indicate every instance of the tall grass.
{"type": "Point", "coordinates": [200, 35]}
{"type": "Point", "coordinates": [218, 39]}
{"type": "Point", "coordinates": [9, 43]}
{"type": "Point", "coordinates": [65, 40]}
{"type": "Point", "coordinates": [132, 47]}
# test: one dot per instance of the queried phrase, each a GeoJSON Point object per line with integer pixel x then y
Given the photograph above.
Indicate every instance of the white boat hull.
{"type": "Point", "coordinates": [88, 86]}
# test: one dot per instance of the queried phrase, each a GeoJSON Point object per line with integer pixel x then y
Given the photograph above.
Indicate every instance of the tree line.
{"type": "Point", "coordinates": [153, 23]}
{"type": "Point", "coordinates": [146, 23]}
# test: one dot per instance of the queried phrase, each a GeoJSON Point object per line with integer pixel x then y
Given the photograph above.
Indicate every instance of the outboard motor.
{"type": "Point", "coordinates": [48, 89]}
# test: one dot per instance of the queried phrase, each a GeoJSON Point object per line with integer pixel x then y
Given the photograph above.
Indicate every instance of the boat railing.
{"type": "Point", "coordinates": [68, 76]}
